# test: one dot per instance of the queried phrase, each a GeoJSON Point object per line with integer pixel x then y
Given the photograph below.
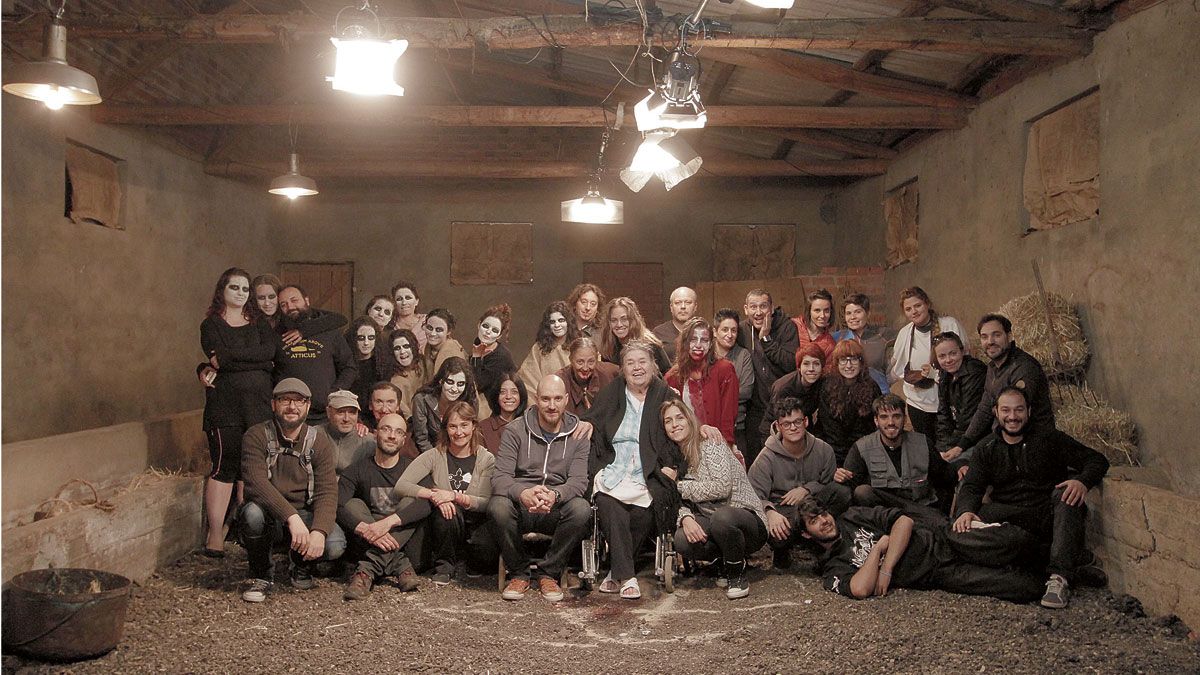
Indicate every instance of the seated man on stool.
{"type": "Point", "coordinates": [891, 466]}
{"type": "Point", "coordinates": [1039, 478]}
{"type": "Point", "coordinates": [540, 478]}
{"type": "Point", "coordinates": [381, 523]}
{"type": "Point", "coordinates": [794, 465]}
{"type": "Point", "coordinates": [291, 481]}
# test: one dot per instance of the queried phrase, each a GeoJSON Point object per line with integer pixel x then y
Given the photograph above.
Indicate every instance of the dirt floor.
{"type": "Point", "coordinates": [190, 618]}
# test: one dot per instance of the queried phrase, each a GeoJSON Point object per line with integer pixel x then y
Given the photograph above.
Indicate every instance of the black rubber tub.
{"type": "Point", "coordinates": [65, 614]}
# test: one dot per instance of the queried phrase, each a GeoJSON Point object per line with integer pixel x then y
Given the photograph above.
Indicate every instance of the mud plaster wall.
{"type": "Point", "coordinates": [101, 326]}
{"type": "Point", "coordinates": [403, 233]}
{"type": "Point", "coordinates": [1133, 274]}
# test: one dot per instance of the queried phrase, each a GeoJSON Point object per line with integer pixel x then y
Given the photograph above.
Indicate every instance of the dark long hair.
{"type": "Point", "coordinates": [217, 306]}
{"type": "Point", "coordinates": [352, 336]}
{"type": "Point", "coordinates": [452, 366]}
{"type": "Point", "coordinates": [850, 396]}
{"type": "Point", "coordinates": [493, 396]}
{"type": "Point", "coordinates": [545, 339]}
{"type": "Point", "coordinates": [387, 366]}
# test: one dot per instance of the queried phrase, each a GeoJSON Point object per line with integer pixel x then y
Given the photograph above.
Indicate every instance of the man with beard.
{"type": "Point", "coordinates": [867, 551]}
{"type": "Point", "coordinates": [1039, 479]}
{"type": "Point", "coordinates": [342, 412]}
{"type": "Point", "coordinates": [1008, 366]}
{"type": "Point", "coordinates": [291, 481]}
{"type": "Point", "coordinates": [770, 337]}
{"type": "Point", "coordinates": [383, 526]}
{"type": "Point", "coordinates": [683, 307]}
{"type": "Point", "coordinates": [891, 466]}
{"type": "Point", "coordinates": [323, 360]}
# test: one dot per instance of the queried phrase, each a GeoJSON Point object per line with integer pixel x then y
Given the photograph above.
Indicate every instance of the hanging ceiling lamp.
{"type": "Point", "coordinates": [675, 104]}
{"type": "Point", "coordinates": [292, 184]}
{"type": "Point", "coordinates": [664, 155]}
{"type": "Point", "coordinates": [365, 62]}
{"type": "Point", "coordinates": [52, 80]}
{"type": "Point", "coordinates": [592, 207]}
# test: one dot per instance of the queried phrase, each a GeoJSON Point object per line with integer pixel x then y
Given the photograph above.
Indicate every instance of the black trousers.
{"type": "Point", "coordinates": [375, 561]}
{"type": "Point", "coordinates": [754, 434]}
{"type": "Point", "coordinates": [567, 524]}
{"type": "Point", "coordinates": [464, 538]}
{"type": "Point", "coordinates": [625, 528]}
{"type": "Point", "coordinates": [924, 423]}
{"type": "Point", "coordinates": [1058, 528]}
{"type": "Point", "coordinates": [985, 562]}
{"type": "Point", "coordinates": [928, 514]}
{"type": "Point", "coordinates": [733, 533]}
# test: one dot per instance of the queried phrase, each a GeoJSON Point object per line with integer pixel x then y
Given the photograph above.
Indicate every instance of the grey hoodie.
{"type": "Point", "coordinates": [525, 459]}
{"type": "Point", "coordinates": [775, 470]}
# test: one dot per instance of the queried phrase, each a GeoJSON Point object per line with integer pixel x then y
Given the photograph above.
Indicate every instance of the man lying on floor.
{"type": "Point", "coordinates": [868, 550]}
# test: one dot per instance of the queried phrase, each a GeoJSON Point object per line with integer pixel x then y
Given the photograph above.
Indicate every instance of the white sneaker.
{"type": "Point", "coordinates": [257, 590]}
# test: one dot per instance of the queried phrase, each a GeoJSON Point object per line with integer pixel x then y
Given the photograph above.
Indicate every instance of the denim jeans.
{"type": "Point", "coordinates": [260, 530]}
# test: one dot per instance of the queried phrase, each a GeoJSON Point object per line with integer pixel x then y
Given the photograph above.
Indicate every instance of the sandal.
{"type": "Point", "coordinates": [630, 589]}
{"type": "Point", "coordinates": [609, 585]}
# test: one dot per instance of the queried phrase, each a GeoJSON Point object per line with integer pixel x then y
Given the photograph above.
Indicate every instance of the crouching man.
{"type": "Point", "coordinates": [381, 523]}
{"type": "Point", "coordinates": [291, 482]}
{"type": "Point", "coordinates": [1039, 478]}
{"type": "Point", "coordinates": [792, 466]}
{"type": "Point", "coordinates": [869, 550]}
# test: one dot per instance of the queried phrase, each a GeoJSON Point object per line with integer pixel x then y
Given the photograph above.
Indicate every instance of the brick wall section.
{"type": "Point", "coordinates": [1146, 538]}
{"type": "Point", "coordinates": [789, 293]}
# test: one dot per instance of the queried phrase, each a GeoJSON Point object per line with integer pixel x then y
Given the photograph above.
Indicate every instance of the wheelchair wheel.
{"type": "Point", "coordinates": [669, 574]}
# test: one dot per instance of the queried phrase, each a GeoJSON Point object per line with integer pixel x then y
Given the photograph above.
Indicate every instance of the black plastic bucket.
{"type": "Point", "coordinates": [65, 614]}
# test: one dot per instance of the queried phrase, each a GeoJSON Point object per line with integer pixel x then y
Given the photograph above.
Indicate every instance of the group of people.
{"type": "Point", "coordinates": [385, 441]}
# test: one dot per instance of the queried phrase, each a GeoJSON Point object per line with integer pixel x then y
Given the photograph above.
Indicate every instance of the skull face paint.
{"type": "Point", "coordinates": [403, 351]}
{"type": "Point", "coordinates": [236, 292]}
{"type": "Point", "coordinates": [381, 313]}
{"type": "Point", "coordinates": [364, 341]}
{"type": "Point", "coordinates": [558, 324]}
{"type": "Point", "coordinates": [489, 331]}
{"type": "Point", "coordinates": [436, 331]}
{"type": "Point", "coordinates": [454, 386]}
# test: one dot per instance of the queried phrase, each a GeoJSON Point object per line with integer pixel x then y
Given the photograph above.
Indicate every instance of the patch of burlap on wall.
{"type": "Point", "coordinates": [95, 187]}
{"type": "Point", "coordinates": [900, 214]}
{"type": "Point", "coordinates": [1062, 166]}
{"type": "Point", "coordinates": [753, 251]}
{"type": "Point", "coordinates": [491, 253]}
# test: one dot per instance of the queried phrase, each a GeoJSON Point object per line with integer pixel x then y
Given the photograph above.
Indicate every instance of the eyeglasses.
{"type": "Point", "coordinates": [291, 401]}
{"type": "Point", "coordinates": [847, 360]}
{"type": "Point", "coordinates": [791, 424]}
{"type": "Point", "coordinates": [365, 338]}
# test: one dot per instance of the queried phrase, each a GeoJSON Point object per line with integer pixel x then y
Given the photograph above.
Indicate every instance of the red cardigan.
{"type": "Point", "coordinates": [719, 389]}
{"type": "Point", "coordinates": [825, 341]}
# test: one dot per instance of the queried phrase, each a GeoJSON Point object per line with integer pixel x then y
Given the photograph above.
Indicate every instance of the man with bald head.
{"type": "Point", "coordinates": [683, 308]}
{"type": "Point", "coordinates": [380, 525]}
{"type": "Point", "coordinates": [539, 483]}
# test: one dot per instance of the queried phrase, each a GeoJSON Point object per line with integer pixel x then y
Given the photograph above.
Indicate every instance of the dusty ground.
{"type": "Point", "coordinates": [190, 618]}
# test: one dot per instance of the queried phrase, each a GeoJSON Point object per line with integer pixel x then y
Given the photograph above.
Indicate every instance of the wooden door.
{"type": "Point", "coordinates": [330, 286]}
{"type": "Point", "coordinates": [643, 282]}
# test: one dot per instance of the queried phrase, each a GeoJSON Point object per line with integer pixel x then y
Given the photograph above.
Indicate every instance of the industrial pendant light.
{"type": "Point", "coordinates": [772, 4]}
{"type": "Point", "coordinates": [674, 104]}
{"type": "Point", "coordinates": [293, 184]}
{"type": "Point", "coordinates": [365, 62]}
{"type": "Point", "coordinates": [52, 80]}
{"type": "Point", "coordinates": [592, 207]}
{"type": "Point", "coordinates": [664, 155]}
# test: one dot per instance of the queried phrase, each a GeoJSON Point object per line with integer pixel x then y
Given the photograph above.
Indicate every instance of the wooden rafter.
{"type": "Point", "coordinates": [1000, 37]}
{"type": "Point", "coordinates": [828, 141]}
{"type": "Point", "coordinates": [1014, 10]}
{"type": "Point", "coordinates": [840, 76]}
{"type": "Point", "coordinates": [908, 117]}
{"type": "Point", "coordinates": [531, 75]}
{"type": "Point", "coordinates": [404, 167]}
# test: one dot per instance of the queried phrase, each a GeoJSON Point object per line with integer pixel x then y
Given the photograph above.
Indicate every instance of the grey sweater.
{"type": "Point", "coordinates": [775, 470]}
{"type": "Point", "coordinates": [527, 459]}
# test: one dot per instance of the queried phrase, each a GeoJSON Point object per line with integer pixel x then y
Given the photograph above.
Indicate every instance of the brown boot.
{"type": "Point", "coordinates": [408, 581]}
{"type": "Point", "coordinates": [360, 586]}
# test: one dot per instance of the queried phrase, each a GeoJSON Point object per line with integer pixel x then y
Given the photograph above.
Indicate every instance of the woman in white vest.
{"type": "Point", "coordinates": [912, 359]}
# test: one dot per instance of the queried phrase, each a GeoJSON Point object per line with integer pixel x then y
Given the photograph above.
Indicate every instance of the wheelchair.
{"type": "Point", "coordinates": [594, 551]}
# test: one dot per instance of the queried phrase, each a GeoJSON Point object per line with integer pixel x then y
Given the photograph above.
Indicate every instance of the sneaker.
{"type": "Point", "coordinates": [738, 586]}
{"type": "Point", "coordinates": [407, 581]}
{"type": "Point", "coordinates": [360, 586]}
{"type": "Point", "coordinates": [782, 558]}
{"type": "Point", "coordinates": [1057, 593]}
{"type": "Point", "coordinates": [302, 578]}
{"type": "Point", "coordinates": [256, 591]}
{"type": "Point", "coordinates": [442, 579]}
{"type": "Point", "coordinates": [550, 589]}
{"type": "Point", "coordinates": [515, 590]}
{"type": "Point", "coordinates": [722, 582]}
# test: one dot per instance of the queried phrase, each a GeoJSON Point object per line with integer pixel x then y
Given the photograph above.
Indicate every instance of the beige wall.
{"type": "Point", "coordinates": [1133, 275]}
{"type": "Point", "coordinates": [404, 233]}
{"type": "Point", "coordinates": [101, 326]}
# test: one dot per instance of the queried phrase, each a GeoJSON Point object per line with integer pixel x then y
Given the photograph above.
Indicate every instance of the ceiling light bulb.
{"type": "Point", "coordinates": [592, 208]}
{"type": "Point", "coordinates": [52, 80]}
{"type": "Point", "coordinates": [367, 66]}
{"type": "Point", "coordinates": [292, 184]}
{"type": "Point", "coordinates": [772, 4]}
{"type": "Point", "coordinates": [55, 98]}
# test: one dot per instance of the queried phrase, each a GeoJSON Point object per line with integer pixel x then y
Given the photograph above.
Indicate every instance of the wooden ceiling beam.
{"type": "Point", "coordinates": [722, 167]}
{"type": "Point", "coordinates": [824, 140]}
{"type": "Point", "coordinates": [999, 37]}
{"type": "Point", "coordinates": [523, 74]}
{"type": "Point", "coordinates": [907, 117]}
{"type": "Point", "coordinates": [1014, 10]}
{"type": "Point", "coordinates": [840, 76]}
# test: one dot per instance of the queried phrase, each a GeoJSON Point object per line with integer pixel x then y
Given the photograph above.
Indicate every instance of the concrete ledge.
{"type": "Point", "coordinates": [1146, 536]}
{"type": "Point", "coordinates": [152, 525]}
{"type": "Point", "coordinates": [107, 457]}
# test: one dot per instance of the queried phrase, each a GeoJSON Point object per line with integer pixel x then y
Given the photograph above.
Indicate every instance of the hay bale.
{"type": "Point", "coordinates": [1082, 413]}
{"type": "Point", "coordinates": [1034, 333]}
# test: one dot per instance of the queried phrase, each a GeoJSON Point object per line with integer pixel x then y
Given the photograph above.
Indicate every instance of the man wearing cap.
{"type": "Point", "coordinates": [342, 414]}
{"type": "Point", "coordinates": [380, 523]}
{"type": "Point", "coordinates": [291, 483]}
